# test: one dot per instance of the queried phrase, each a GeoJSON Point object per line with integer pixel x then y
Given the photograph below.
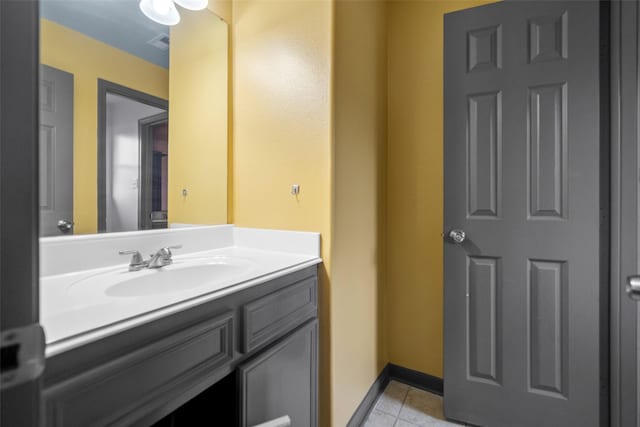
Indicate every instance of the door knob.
{"type": "Point", "coordinates": [65, 225]}
{"type": "Point", "coordinates": [633, 287]}
{"type": "Point", "coordinates": [457, 236]}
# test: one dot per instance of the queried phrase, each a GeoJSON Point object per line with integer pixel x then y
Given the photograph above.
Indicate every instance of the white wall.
{"type": "Point", "coordinates": [123, 160]}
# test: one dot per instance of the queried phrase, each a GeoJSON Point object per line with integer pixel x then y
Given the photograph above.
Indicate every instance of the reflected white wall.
{"type": "Point", "coordinates": [123, 160]}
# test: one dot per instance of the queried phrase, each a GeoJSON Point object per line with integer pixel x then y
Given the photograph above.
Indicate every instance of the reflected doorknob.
{"type": "Point", "coordinates": [65, 225]}
{"type": "Point", "coordinates": [457, 236]}
{"type": "Point", "coordinates": [633, 287]}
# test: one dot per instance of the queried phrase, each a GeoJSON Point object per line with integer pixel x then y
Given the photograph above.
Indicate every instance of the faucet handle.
{"type": "Point", "coordinates": [165, 251]}
{"type": "Point", "coordinates": [162, 257]}
{"type": "Point", "coordinates": [136, 258]}
{"type": "Point", "coordinates": [168, 248]}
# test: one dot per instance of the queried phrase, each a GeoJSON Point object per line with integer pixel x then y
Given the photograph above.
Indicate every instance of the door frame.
{"type": "Point", "coordinates": [624, 83]}
{"type": "Point", "coordinates": [146, 167]}
{"type": "Point", "coordinates": [19, 202]}
{"type": "Point", "coordinates": [105, 87]}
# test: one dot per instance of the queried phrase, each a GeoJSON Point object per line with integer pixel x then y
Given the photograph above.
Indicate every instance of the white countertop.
{"type": "Point", "coordinates": [75, 310]}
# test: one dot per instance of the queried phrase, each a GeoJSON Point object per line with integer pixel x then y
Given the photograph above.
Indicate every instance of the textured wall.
{"type": "Point", "coordinates": [360, 108]}
{"type": "Point", "coordinates": [198, 106]}
{"type": "Point", "coordinates": [282, 131]}
{"type": "Point", "coordinates": [414, 182]}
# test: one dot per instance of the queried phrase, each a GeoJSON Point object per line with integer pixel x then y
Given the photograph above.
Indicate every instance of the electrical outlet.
{"type": "Point", "coordinates": [295, 189]}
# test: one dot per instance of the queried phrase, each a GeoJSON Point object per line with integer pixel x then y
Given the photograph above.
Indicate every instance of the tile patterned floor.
{"type": "Point", "coordinates": [403, 406]}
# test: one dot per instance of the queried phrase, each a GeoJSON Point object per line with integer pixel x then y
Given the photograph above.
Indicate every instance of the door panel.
{"type": "Point", "coordinates": [485, 148]}
{"type": "Point", "coordinates": [523, 343]}
{"type": "Point", "coordinates": [483, 316]}
{"type": "Point", "coordinates": [546, 149]}
{"type": "Point", "coordinates": [547, 326]}
{"type": "Point", "coordinates": [56, 150]}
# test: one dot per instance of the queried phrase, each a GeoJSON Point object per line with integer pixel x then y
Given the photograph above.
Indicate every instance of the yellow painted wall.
{"type": "Point", "coordinates": [282, 130]}
{"type": "Point", "coordinates": [414, 182]}
{"type": "Point", "coordinates": [88, 60]}
{"type": "Point", "coordinates": [373, 188]}
{"type": "Point", "coordinates": [222, 8]}
{"type": "Point", "coordinates": [357, 282]}
{"type": "Point", "coordinates": [198, 60]}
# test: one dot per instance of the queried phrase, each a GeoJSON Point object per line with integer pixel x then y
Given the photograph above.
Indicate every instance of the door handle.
{"type": "Point", "coordinates": [456, 236]}
{"type": "Point", "coordinates": [65, 225]}
{"type": "Point", "coordinates": [633, 287]}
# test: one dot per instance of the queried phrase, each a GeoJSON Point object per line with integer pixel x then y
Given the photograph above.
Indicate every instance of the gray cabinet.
{"type": "Point", "coordinates": [281, 381]}
{"type": "Point", "coordinates": [127, 387]}
{"type": "Point", "coordinates": [268, 317]}
{"type": "Point", "coordinates": [267, 334]}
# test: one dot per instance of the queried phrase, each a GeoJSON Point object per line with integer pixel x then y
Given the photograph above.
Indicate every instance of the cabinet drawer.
{"type": "Point", "coordinates": [127, 388]}
{"type": "Point", "coordinates": [272, 316]}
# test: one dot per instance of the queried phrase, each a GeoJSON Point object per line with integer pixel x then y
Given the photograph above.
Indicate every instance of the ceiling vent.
{"type": "Point", "coordinates": [161, 41]}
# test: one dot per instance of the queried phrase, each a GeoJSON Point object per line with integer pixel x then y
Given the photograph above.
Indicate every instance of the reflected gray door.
{"type": "Point", "coordinates": [525, 338]}
{"type": "Point", "coordinates": [56, 152]}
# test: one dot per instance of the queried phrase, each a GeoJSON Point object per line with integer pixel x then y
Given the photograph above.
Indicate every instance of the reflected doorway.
{"type": "Point", "coordinates": [132, 159]}
{"type": "Point", "coordinates": [154, 159]}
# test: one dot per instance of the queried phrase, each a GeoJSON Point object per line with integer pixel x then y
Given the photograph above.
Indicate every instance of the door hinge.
{"type": "Point", "coordinates": [22, 357]}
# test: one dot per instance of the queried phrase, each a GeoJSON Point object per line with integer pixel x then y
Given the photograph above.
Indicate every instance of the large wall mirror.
{"type": "Point", "coordinates": [133, 118]}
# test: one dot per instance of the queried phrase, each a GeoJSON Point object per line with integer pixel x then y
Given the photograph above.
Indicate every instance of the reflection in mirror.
{"type": "Point", "coordinates": [132, 113]}
{"type": "Point", "coordinates": [132, 159]}
{"type": "Point", "coordinates": [56, 151]}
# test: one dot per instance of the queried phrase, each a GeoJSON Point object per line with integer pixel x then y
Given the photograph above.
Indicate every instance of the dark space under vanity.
{"type": "Point", "coordinates": [243, 359]}
{"type": "Point", "coordinates": [217, 405]}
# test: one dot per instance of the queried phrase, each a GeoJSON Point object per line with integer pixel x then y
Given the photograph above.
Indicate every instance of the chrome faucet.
{"type": "Point", "coordinates": [162, 257]}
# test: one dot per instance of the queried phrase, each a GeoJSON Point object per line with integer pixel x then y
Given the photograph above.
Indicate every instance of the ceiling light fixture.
{"type": "Point", "coordinates": [193, 4]}
{"type": "Point", "coordinates": [161, 11]}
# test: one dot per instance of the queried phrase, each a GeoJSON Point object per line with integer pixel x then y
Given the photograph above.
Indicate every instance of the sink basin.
{"type": "Point", "coordinates": [181, 276]}
{"type": "Point", "coordinates": [173, 280]}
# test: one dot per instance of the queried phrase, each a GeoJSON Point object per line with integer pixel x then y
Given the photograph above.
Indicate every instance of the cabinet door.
{"type": "Point", "coordinates": [282, 380]}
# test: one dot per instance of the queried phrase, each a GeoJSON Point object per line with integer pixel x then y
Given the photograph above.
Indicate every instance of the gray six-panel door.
{"type": "Point", "coordinates": [525, 327]}
{"type": "Point", "coordinates": [56, 152]}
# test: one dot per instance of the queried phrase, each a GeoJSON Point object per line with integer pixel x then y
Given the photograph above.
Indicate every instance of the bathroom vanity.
{"type": "Point", "coordinates": [244, 341]}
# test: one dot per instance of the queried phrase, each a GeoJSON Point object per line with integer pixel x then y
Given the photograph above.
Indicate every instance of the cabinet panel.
{"type": "Point", "coordinates": [274, 315]}
{"type": "Point", "coordinates": [282, 381]}
{"type": "Point", "coordinates": [121, 391]}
